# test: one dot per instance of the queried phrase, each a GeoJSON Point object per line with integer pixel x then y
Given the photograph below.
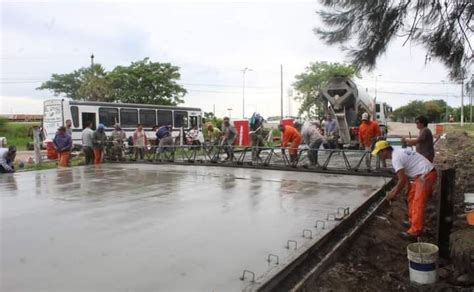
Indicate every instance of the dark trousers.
{"type": "Point", "coordinates": [139, 151]}
{"type": "Point", "coordinates": [313, 151]}
{"type": "Point", "coordinates": [88, 154]}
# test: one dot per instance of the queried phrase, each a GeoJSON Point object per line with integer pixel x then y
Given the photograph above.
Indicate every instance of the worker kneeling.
{"type": "Point", "coordinates": [409, 164]}
{"type": "Point", "coordinates": [290, 135]}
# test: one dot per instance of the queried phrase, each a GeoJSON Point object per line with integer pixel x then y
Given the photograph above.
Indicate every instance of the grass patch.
{"type": "Point", "coordinates": [17, 133]}
{"type": "Point", "coordinates": [468, 128]}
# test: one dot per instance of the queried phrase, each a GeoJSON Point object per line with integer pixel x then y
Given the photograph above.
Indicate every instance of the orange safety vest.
{"type": "Point", "coordinates": [368, 131]}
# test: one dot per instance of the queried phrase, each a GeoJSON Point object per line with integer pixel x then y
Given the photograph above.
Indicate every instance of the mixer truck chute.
{"type": "Point", "coordinates": [346, 102]}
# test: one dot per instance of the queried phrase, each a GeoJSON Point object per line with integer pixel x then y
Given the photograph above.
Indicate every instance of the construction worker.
{"type": "Point", "coordinates": [408, 165]}
{"type": "Point", "coordinates": [139, 142]}
{"type": "Point", "coordinates": [368, 133]}
{"type": "Point", "coordinates": [256, 135]}
{"type": "Point", "coordinates": [87, 146]}
{"type": "Point", "coordinates": [7, 157]}
{"type": "Point", "coordinates": [229, 134]}
{"type": "Point", "coordinates": [312, 136]}
{"type": "Point", "coordinates": [212, 135]}
{"type": "Point", "coordinates": [424, 142]}
{"type": "Point", "coordinates": [99, 141]}
{"type": "Point", "coordinates": [62, 143]}
{"type": "Point", "coordinates": [166, 140]}
{"type": "Point", "coordinates": [330, 132]}
{"type": "Point", "coordinates": [290, 135]}
{"type": "Point", "coordinates": [118, 137]}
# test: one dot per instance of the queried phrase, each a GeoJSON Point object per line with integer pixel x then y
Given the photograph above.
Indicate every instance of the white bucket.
{"type": "Point", "coordinates": [422, 262]}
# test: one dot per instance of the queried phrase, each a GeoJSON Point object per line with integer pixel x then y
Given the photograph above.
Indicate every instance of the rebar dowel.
{"type": "Point", "coordinates": [322, 222]}
{"type": "Point", "coordinates": [250, 272]}
{"type": "Point", "coordinates": [331, 215]}
{"type": "Point", "coordinates": [273, 256]}
{"type": "Point", "coordinates": [345, 211]}
{"type": "Point", "coordinates": [288, 244]}
{"type": "Point", "coordinates": [308, 231]}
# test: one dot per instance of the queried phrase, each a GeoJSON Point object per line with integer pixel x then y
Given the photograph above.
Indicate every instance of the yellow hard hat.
{"type": "Point", "coordinates": [380, 145]}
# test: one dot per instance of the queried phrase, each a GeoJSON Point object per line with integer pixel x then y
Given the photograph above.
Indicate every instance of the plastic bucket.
{"type": "Point", "coordinates": [469, 205]}
{"type": "Point", "coordinates": [423, 262]}
{"type": "Point", "coordinates": [51, 152]}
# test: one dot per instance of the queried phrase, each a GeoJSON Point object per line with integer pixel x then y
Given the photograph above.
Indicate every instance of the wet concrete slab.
{"type": "Point", "coordinates": [160, 227]}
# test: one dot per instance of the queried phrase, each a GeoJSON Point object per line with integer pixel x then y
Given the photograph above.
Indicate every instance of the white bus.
{"type": "Point", "coordinates": [128, 115]}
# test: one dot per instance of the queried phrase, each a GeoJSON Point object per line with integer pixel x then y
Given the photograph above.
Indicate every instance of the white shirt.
{"type": "Point", "coordinates": [412, 162]}
{"type": "Point", "coordinates": [87, 137]}
{"type": "Point", "coordinates": [3, 159]}
{"type": "Point", "coordinates": [311, 133]}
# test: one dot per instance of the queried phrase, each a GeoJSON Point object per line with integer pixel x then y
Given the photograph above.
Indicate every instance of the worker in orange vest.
{"type": "Point", "coordinates": [290, 135]}
{"type": "Point", "coordinates": [368, 132]}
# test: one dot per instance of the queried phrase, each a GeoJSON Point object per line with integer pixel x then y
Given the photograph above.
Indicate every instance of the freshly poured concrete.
{"type": "Point", "coordinates": [160, 227]}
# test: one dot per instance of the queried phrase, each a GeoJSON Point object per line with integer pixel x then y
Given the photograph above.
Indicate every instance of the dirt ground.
{"type": "Point", "coordinates": [377, 260]}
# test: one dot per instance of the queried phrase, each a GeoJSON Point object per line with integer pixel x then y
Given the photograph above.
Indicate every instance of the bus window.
{"type": "Point", "coordinates": [194, 121]}
{"type": "Point", "coordinates": [75, 116]}
{"type": "Point", "coordinates": [180, 119]}
{"type": "Point", "coordinates": [147, 118]}
{"type": "Point", "coordinates": [377, 107]}
{"type": "Point", "coordinates": [108, 116]}
{"type": "Point", "coordinates": [165, 118]}
{"type": "Point", "coordinates": [128, 118]}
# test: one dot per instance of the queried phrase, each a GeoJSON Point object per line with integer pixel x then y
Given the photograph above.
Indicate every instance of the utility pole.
{"type": "Point", "coordinates": [245, 70]}
{"type": "Point", "coordinates": [281, 90]}
{"type": "Point", "coordinates": [92, 60]}
{"type": "Point", "coordinates": [447, 97]}
{"type": "Point", "coordinates": [462, 101]}
{"type": "Point", "coordinates": [471, 88]}
{"type": "Point", "coordinates": [214, 109]}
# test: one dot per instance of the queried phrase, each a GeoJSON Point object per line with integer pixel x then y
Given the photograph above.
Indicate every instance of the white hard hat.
{"type": "Point", "coordinates": [365, 116]}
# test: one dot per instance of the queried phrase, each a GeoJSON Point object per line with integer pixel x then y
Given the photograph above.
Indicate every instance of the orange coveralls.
{"type": "Point", "coordinates": [368, 131]}
{"type": "Point", "coordinates": [420, 190]}
{"type": "Point", "coordinates": [290, 134]}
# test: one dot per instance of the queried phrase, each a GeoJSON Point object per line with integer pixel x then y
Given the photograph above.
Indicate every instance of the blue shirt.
{"type": "Point", "coordinates": [330, 127]}
{"type": "Point", "coordinates": [62, 142]}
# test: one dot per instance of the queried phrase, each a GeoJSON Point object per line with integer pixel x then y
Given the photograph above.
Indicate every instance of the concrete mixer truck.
{"type": "Point", "coordinates": [346, 101]}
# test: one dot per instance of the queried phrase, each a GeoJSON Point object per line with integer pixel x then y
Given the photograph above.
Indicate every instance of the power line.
{"type": "Point", "coordinates": [419, 94]}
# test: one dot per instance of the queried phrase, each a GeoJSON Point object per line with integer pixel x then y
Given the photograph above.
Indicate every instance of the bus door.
{"type": "Point", "coordinates": [88, 117]}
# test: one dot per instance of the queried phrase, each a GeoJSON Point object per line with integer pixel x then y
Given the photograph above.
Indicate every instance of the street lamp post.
{"type": "Point", "coordinates": [447, 98]}
{"type": "Point", "coordinates": [243, 90]}
{"type": "Point", "coordinates": [376, 78]}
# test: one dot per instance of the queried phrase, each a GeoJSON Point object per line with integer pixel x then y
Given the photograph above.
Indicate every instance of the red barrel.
{"type": "Point", "coordinates": [243, 136]}
{"type": "Point", "coordinates": [51, 152]}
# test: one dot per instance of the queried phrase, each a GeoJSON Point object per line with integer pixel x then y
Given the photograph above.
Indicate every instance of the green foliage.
{"type": "Point", "coordinates": [434, 110]}
{"type": "Point", "coordinates": [309, 84]}
{"type": "Point", "coordinates": [442, 27]}
{"type": "Point", "coordinates": [17, 133]}
{"type": "Point", "coordinates": [210, 118]}
{"type": "Point", "coordinates": [147, 82]}
{"type": "Point", "coordinates": [142, 82]}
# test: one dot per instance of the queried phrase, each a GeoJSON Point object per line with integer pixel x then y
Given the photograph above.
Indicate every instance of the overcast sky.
{"type": "Point", "coordinates": [210, 41]}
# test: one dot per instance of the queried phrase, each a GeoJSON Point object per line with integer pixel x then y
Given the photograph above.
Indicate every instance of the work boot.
{"type": "Point", "coordinates": [407, 236]}
{"type": "Point", "coordinates": [406, 224]}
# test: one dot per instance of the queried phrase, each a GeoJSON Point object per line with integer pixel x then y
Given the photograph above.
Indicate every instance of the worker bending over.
{"type": "Point", "coordinates": [7, 157]}
{"type": "Point", "coordinates": [292, 137]}
{"type": "Point", "coordinates": [409, 164]}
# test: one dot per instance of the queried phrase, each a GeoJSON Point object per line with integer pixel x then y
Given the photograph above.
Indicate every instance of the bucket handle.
{"type": "Point", "coordinates": [419, 249]}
